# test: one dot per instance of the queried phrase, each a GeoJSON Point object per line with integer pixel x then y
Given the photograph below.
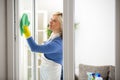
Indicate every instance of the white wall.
{"type": "Point", "coordinates": [95, 35]}
{"type": "Point", "coordinates": [2, 41]}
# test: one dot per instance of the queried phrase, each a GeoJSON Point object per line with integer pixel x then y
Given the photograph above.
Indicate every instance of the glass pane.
{"type": "Point", "coordinates": [26, 57]}
{"type": "Point", "coordinates": [38, 73]}
{"type": "Point", "coordinates": [40, 21]}
{"type": "Point", "coordinates": [40, 37]}
{"type": "Point", "coordinates": [39, 12]}
{"type": "Point", "coordinates": [29, 57]}
{"type": "Point", "coordinates": [43, 12]}
{"type": "Point", "coordinates": [29, 74]}
{"type": "Point", "coordinates": [94, 35]}
{"type": "Point", "coordinates": [38, 59]}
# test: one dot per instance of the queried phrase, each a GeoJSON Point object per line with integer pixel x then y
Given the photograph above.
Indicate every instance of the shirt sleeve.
{"type": "Point", "coordinates": [51, 47]}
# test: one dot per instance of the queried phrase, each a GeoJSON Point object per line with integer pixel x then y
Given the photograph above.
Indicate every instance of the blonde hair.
{"type": "Point", "coordinates": [60, 19]}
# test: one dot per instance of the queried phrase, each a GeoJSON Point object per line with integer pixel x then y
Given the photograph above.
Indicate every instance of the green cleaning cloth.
{"type": "Point", "coordinates": [24, 22]}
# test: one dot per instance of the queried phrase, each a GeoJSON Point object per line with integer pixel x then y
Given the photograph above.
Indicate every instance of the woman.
{"type": "Point", "coordinates": [51, 61]}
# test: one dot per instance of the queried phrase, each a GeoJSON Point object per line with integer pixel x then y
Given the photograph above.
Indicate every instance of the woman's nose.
{"type": "Point", "coordinates": [50, 21]}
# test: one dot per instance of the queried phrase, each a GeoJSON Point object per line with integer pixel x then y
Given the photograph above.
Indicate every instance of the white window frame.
{"type": "Point", "coordinates": [11, 73]}
{"type": "Point", "coordinates": [68, 41]}
{"type": "Point", "coordinates": [117, 38]}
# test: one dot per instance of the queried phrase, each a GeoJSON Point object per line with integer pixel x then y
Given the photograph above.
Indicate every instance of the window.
{"type": "Point", "coordinates": [30, 68]}
{"type": "Point", "coordinates": [15, 57]}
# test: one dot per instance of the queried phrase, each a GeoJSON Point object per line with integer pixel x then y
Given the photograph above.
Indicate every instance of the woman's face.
{"type": "Point", "coordinates": [54, 24]}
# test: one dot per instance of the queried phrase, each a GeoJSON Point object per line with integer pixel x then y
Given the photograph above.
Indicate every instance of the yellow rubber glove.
{"type": "Point", "coordinates": [24, 21]}
{"type": "Point", "coordinates": [26, 32]}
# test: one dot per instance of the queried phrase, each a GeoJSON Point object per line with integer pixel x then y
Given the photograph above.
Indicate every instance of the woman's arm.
{"type": "Point", "coordinates": [52, 47]}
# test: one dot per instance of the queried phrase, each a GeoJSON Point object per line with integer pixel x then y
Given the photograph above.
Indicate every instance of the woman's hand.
{"type": "Point", "coordinates": [26, 31]}
{"type": "Point", "coordinates": [24, 23]}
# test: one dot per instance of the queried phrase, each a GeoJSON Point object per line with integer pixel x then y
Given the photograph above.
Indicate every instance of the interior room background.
{"type": "Point", "coordinates": [94, 36]}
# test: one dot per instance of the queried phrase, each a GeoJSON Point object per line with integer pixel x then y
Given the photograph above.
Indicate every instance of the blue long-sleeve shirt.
{"type": "Point", "coordinates": [52, 49]}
